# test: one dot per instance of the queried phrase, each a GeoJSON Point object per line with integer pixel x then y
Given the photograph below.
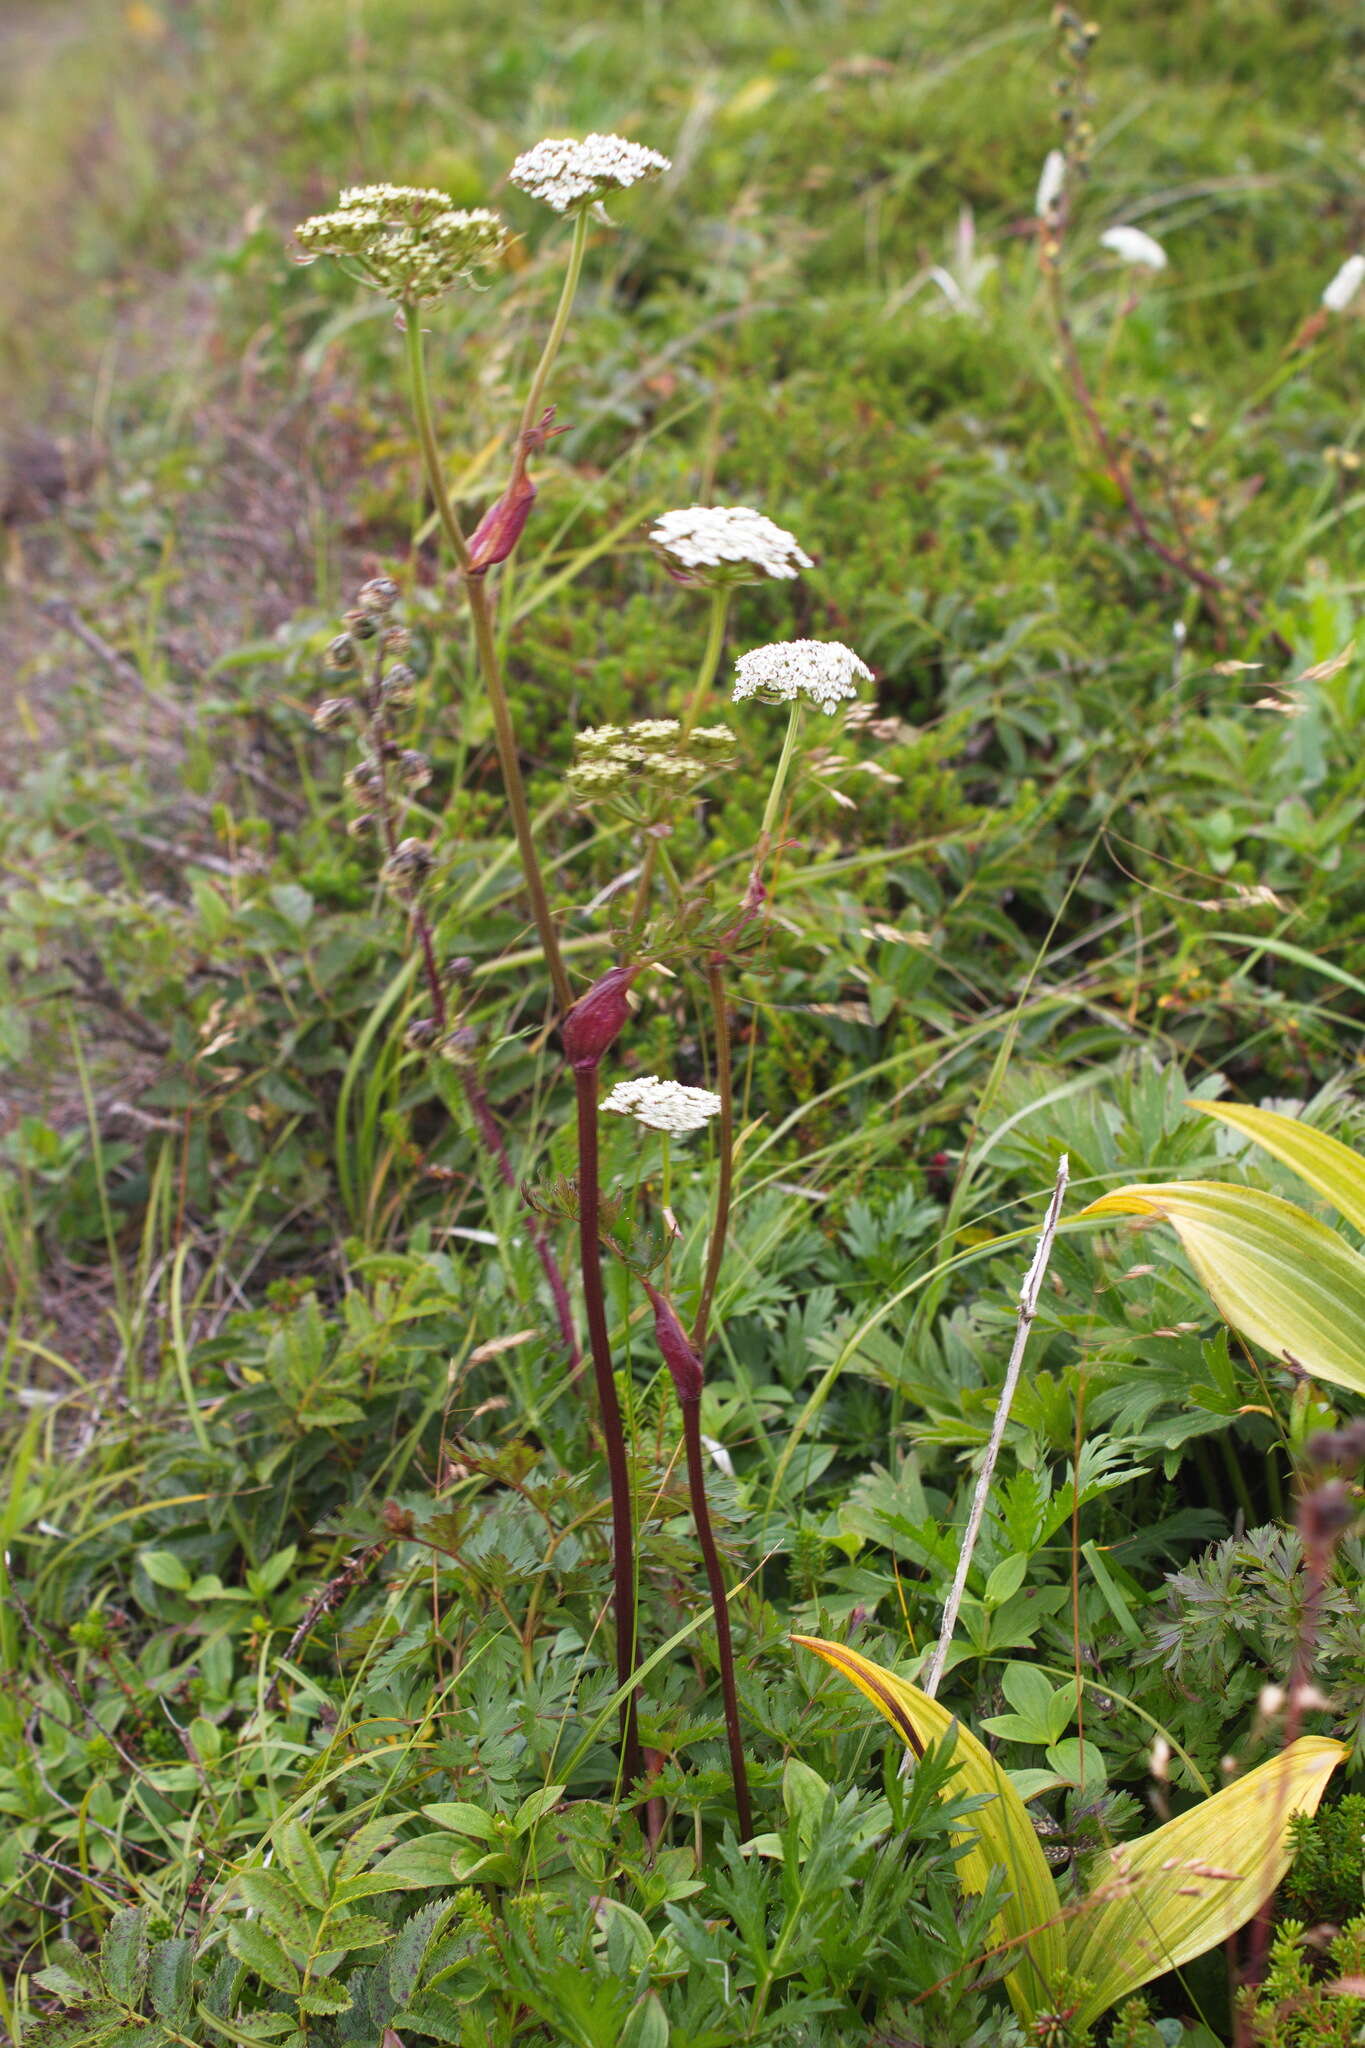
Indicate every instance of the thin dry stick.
{"type": "Point", "coordinates": [1028, 1308]}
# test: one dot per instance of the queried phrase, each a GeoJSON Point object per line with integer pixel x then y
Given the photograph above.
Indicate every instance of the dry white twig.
{"type": "Point", "coordinates": [1028, 1308]}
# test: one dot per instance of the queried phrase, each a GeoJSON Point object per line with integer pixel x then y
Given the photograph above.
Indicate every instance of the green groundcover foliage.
{"type": "Point", "coordinates": [659, 660]}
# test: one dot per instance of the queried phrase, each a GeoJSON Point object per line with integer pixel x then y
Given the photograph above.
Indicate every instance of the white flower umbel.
{"type": "Point", "coordinates": [1051, 185]}
{"type": "Point", "coordinates": [790, 672]}
{"type": "Point", "coordinates": [1344, 288]}
{"type": "Point", "coordinates": [824, 670]}
{"type": "Point", "coordinates": [1132, 245]}
{"type": "Point", "coordinates": [664, 1105]}
{"type": "Point", "coordinates": [570, 175]}
{"type": "Point", "coordinates": [724, 544]}
{"type": "Point", "coordinates": [407, 241]}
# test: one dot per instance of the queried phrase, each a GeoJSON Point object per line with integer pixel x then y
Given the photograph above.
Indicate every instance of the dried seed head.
{"type": "Point", "coordinates": [420, 1035]}
{"type": "Point", "coordinates": [414, 768]}
{"type": "Point", "coordinates": [341, 653]}
{"type": "Point", "coordinates": [361, 826]}
{"type": "Point", "coordinates": [380, 594]}
{"type": "Point", "coordinates": [397, 641]}
{"type": "Point", "coordinates": [398, 685]}
{"type": "Point", "coordinates": [364, 779]}
{"type": "Point", "coordinates": [360, 625]}
{"type": "Point", "coordinates": [332, 712]}
{"type": "Point", "coordinates": [412, 860]}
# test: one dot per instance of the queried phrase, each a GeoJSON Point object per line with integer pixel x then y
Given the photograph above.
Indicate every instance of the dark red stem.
{"type": "Point", "coordinates": [609, 1408]}
{"type": "Point", "coordinates": [715, 1579]}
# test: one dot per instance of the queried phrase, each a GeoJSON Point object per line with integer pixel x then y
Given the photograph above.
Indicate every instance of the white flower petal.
{"type": "Point", "coordinates": [1051, 184]}
{"type": "Point", "coordinates": [727, 539]}
{"type": "Point", "coordinates": [824, 670]}
{"type": "Point", "coordinates": [569, 175]}
{"type": "Point", "coordinates": [664, 1105]}
{"type": "Point", "coordinates": [1132, 245]}
{"type": "Point", "coordinates": [1345, 286]}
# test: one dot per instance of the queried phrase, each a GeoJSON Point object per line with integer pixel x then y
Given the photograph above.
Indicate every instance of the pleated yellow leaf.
{"type": "Point", "coordinates": [1180, 1891]}
{"type": "Point", "coordinates": [1001, 1833]}
{"type": "Point", "coordinates": [1280, 1277]}
{"type": "Point", "coordinates": [1325, 1163]}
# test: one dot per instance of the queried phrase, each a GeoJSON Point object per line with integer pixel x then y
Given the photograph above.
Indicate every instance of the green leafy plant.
{"type": "Point", "coordinates": [1156, 1902]}
{"type": "Point", "coordinates": [1279, 1276]}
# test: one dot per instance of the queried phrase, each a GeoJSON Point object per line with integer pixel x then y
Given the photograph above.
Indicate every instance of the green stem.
{"type": "Point", "coordinates": [486, 645]}
{"type": "Point", "coordinates": [706, 676]}
{"type": "Point", "coordinates": [779, 779]}
{"type": "Point", "coordinates": [715, 1250]}
{"type": "Point", "coordinates": [536, 395]}
{"type": "Point", "coordinates": [710, 660]}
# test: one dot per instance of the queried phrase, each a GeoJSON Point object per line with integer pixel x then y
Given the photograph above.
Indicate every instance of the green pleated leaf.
{"type": "Point", "coordinates": [1325, 1163]}
{"type": "Point", "coordinates": [1000, 1833]}
{"type": "Point", "coordinates": [1281, 1278]}
{"type": "Point", "coordinates": [1177, 1893]}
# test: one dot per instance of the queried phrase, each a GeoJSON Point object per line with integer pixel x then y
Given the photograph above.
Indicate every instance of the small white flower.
{"type": "Point", "coordinates": [824, 670]}
{"type": "Point", "coordinates": [1342, 290]}
{"type": "Point", "coordinates": [726, 544]}
{"type": "Point", "coordinates": [570, 175]}
{"type": "Point", "coordinates": [1051, 184]}
{"type": "Point", "coordinates": [664, 1105]}
{"type": "Point", "coordinates": [1131, 245]}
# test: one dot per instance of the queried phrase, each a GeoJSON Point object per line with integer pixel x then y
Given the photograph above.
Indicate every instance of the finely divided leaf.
{"type": "Point", "coordinates": [1280, 1277]}
{"type": "Point", "coordinates": [1180, 1891]}
{"type": "Point", "coordinates": [1000, 1832]}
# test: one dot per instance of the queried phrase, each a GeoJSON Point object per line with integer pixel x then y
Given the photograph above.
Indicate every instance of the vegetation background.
{"type": "Point", "coordinates": [259, 1276]}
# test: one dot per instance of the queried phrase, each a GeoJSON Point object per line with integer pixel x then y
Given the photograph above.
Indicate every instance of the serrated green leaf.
{"type": "Point", "coordinates": [1000, 1833]}
{"type": "Point", "coordinates": [271, 1895]}
{"type": "Point", "coordinates": [324, 1998]}
{"type": "Point", "coordinates": [1325, 1163]}
{"type": "Point", "coordinates": [259, 1949]}
{"type": "Point", "coordinates": [170, 1976]}
{"type": "Point", "coordinates": [1177, 1893]}
{"type": "Point", "coordinates": [300, 1857]}
{"type": "Point", "coordinates": [1277, 1275]}
{"type": "Point", "coordinates": [123, 1955]}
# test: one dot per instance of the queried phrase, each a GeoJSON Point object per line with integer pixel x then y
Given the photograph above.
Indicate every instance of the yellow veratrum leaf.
{"type": "Point", "coordinates": [1177, 1893]}
{"type": "Point", "coordinates": [1001, 1834]}
{"type": "Point", "coordinates": [1279, 1276]}
{"type": "Point", "coordinates": [1325, 1163]}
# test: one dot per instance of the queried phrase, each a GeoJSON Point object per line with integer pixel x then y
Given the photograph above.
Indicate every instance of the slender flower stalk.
{"type": "Point", "coordinates": [706, 676]}
{"type": "Point", "coordinates": [535, 397]}
{"type": "Point", "coordinates": [725, 1088]}
{"type": "Point", "coordinates": [685, 1366]}
{"type": "Point", "coordinates": [773, 805]}
{"type": "Point", "coordinates": [485, 641]}
{"type": "Point", "coordinates": [609, 1408]}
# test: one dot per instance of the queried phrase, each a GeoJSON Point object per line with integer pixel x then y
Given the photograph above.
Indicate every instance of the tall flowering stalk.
{"type": "Point", "coordinates": [685, 1367]}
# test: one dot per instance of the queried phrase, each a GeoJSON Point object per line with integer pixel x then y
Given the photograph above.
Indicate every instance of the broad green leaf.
{"type": "Point", "coordinates": [124, 1956]}
{"type": "Point", "coordinates": [1280, 1277]}
{"type": "Point", "coordinates": [1177, 1893]}
{"type": "Point", "coordinates": [1000, 1833]}
{"type": "Point", "coordinates": [1325, 1163]}
{"type": "Point", "coordinates": [300, 1857]}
